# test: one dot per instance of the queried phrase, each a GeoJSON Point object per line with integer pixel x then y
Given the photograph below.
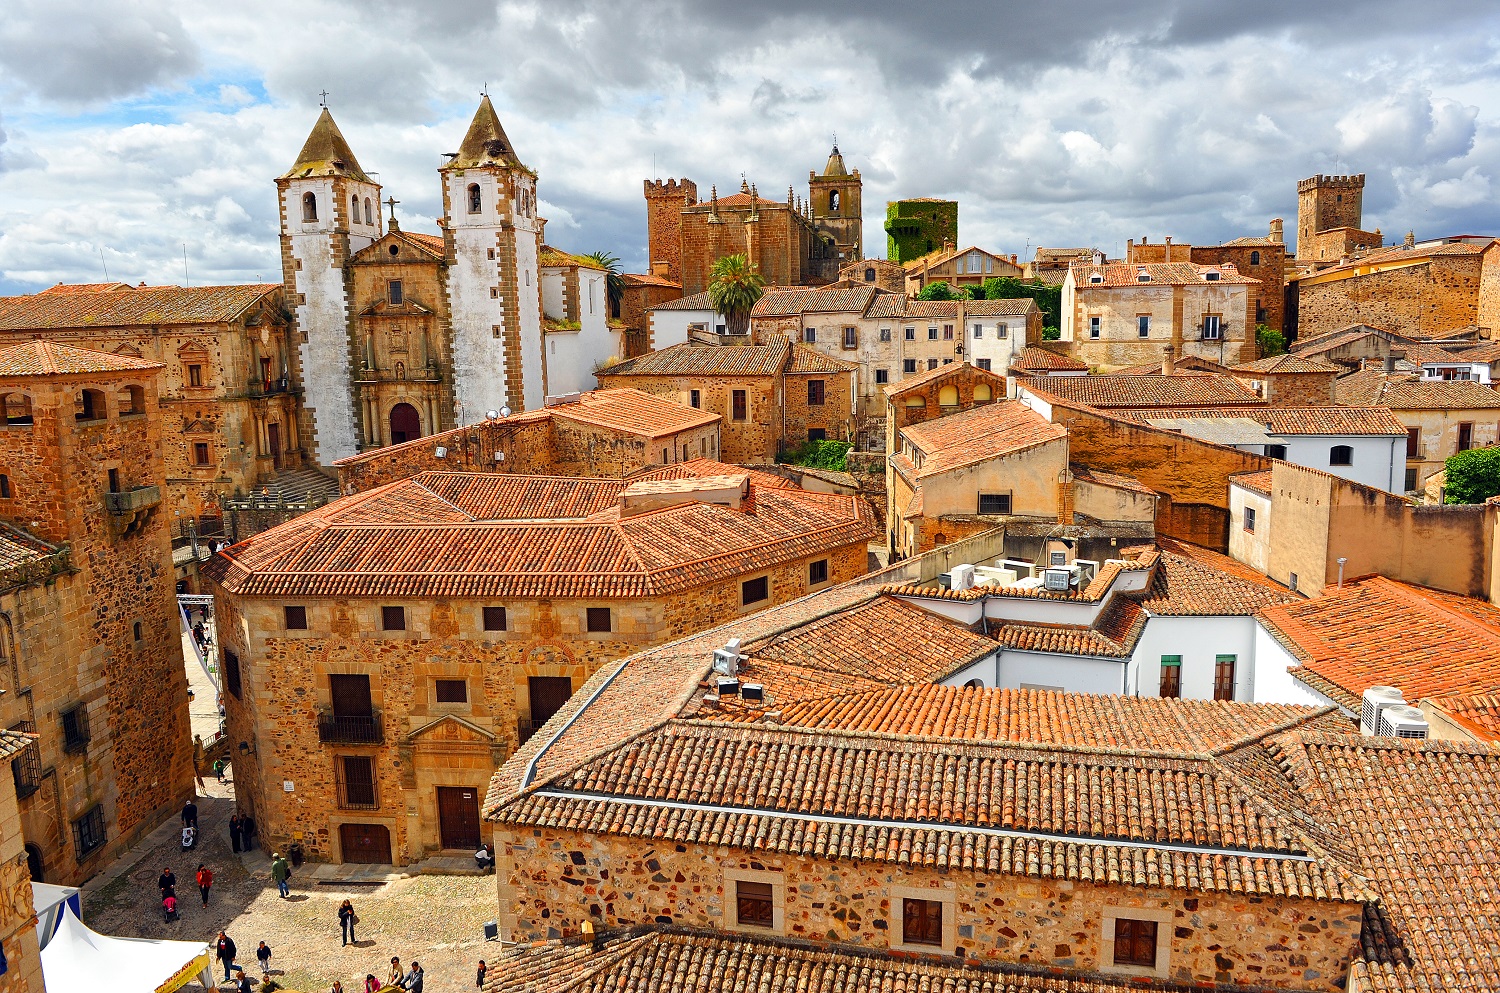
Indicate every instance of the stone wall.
{"type": "Point", "coordinates": [1264, 262]}
{"type": "Point", "coordinates": [1424, 300]}
{"type": "Point", "coordinates": [664, 203]}
{"type": "Point", "coordinates": [1487, 310]}
{"type": "Point", "coordinates": [834, 416]}
{"type": "Point", "coordinates": [1300, 389]}
{"type": "Point", "coordinates": [777, 240]}
{"type": "Point", "coordinates": [754, 439]}
{"type": "Point", "coordinates": [1176, 315]}
{"type": "Point", "coordinates": [23, 959]}
{"type": "Point", "coordinates": [551, 881]}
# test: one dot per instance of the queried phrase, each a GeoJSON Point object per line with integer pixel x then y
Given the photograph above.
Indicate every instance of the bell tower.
{"type": "Point", "coordinates": [329, 210]}
{"type": "Point", "coordinates": [494, 239]}
{"type": "Point", "coordinates": [836, 206]}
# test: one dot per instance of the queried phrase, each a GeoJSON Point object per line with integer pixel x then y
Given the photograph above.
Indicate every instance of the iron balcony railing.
{"type": "Point", "coordinates": [336, 730]}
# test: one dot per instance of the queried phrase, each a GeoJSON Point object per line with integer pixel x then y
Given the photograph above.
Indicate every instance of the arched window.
{"type": "Point", "coordinates": [833, 202]}
{"type": "Point", "coordinates": [1255, 258]}
{"type": "Point", "coordinates": [948, 396]}
{"type": "Point", "coordinates": [1341, 455]}
{"type": "Point", "coordinates": [16, 408]}
{"type": "Point", "coordinates": [982, 393]}
{"type": "Point", "coordinates": [476, 201]}
{"type": "Point", "coordinates": [89, 406]}
{"type": "Point", "coordinates": [132, 400]}
{"type": "Point", "coordinates": [974, 684]}
{"type": "Point", "coordinates": [353, 209]}
{"type": "Point", "coordinates": [369, 216]}
{"type": "Point", "coordinates": [406, 425]}
{"type": "Point", "coordinates": [309, 207]}
{"type": "Point", "coordinates": [915, 402]}
{"type": "Point", "coordinates": [870, 274]}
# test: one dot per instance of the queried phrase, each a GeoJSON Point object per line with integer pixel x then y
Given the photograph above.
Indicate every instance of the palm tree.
{"type": "Point", "coordinates": [614, 283]}
{"type": "Point", "coordinates": [734, 285]}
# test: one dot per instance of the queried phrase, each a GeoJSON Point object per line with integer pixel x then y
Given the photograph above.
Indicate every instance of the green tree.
{"type": "Point", "coordinates": [734, 285]}
{"type": "Point", "coordinates": [614, 283]}
{"type": "Point", "coordinates": [1269, 341]}
{"type": "Point", "coordinates": [818, 455]}
{"type": "Point", "coordinates": [1472, 476]}
{"type": "Point", "coordinates": [1048, 297]}
{"type": "Point", "coordinates": [1051, 334]}
{"type": "Point", "coordinates": [938, 290]}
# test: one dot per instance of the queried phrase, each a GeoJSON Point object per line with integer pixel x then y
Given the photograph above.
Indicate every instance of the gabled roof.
{"type": "Point", "coordinates": [140, 306]}
{"type": "Point", "coordinates": [62, 288]}
{"type": "Point", "coordinates": [926, 377]}
{"type": "Point", "coordinates": [1374, 388]}
{"type": "Point", "coordinates": [550, 256]}
{"type": "Point", "coordinates": [485, 143]}
{"type": "Point", "coordinates": [706, 360]}
{"type": "Point", "coordinates": [1147, 391]}
{"type": "Point", "coordinates": [1283, 364]}
{"type": "Point", "coordinates": [1004, 307]}
{"type": "Point", "coordinates": [1354, 421]}
{"type": "Point", "coordinates": [1033, 358]}
{"type": "Point", "coordinates": [427, 246]}
{"type": "Point", "coordinates": [1161, 273]}
{"type": "Point", "coordinates": [989, 431]}
{"type": "Point", "coordinates": [810, 360]}
{"type": "Point", "coordinates": [936, 258]}
{"type": "Point", "coordinates": [693, 301]}
{"type": "Point", "coordinates": [634, 412]}
{"type": "Point", "coordinates": [326, 153]}
{"type": "Point", "coordinates": [648, 279]}
{"type": "Point", "coordinates": [785, 302]}
{"type": "Point", "coordinates": [50, 358]}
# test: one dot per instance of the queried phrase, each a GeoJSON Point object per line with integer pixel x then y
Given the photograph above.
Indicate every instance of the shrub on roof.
{"type": "Point", "coordinates": [818, 455]}
{"type": "Point", "coordinates": [1269, 341]}
{"type": "Point", "coordinates": [1472, 476]}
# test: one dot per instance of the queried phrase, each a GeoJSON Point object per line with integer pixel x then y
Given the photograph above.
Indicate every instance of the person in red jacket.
{"type": "Point", "coordinates": [205, 881]}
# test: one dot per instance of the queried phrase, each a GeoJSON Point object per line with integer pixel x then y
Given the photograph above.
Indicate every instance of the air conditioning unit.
{"type": "Point", "coordinates": [962, 577]}
{"type": "Point", "coordinates": [1087, 569]}
{"type": "Point", "coordinates": [1402, 722]}
{"type": "Point", "coordinates": [1376, 699]}
{"type": "Point", "coordinates": [753, 693]}
{"type": "Point", "coordinates": [1057, 580]}
{"type": "Point", "coordinates": [727, 659]}
{"type": "Point", "coordinates": [728, 686]}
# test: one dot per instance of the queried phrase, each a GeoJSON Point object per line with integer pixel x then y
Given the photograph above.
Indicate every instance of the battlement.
{"type": "Point", "coordinates": [1323, 182]}
{"type": "Point", "coordinates": [672, 188]}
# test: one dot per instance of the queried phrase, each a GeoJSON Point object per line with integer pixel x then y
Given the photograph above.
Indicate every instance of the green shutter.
{"type": "Point", "coordinates": [1171, 660]}
{"type": "Point", "coordinates": [1225, 658]}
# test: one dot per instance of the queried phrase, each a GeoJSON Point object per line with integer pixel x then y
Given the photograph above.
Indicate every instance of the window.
{"type": "Point", "coordinates": [1411, 479]}
{"type": "Point", "coordinates": [1002, 331]}
{"type": "Point", "coordinates": [232, 673]}
{"type": "Point", "coordinates": [1096, 278]}
{"type": "Point", "coordinates": [354, 209]}
{"type": "Point", "coordinates": [88, 830]}
{"type": "Point", "coordinates": [113, 475]}
{"type": "Point", "coordinates": [356, 782]}
{"type": "Point", "coordinates": [132, 400]}
{"type": "Point", "coordinates": [978, 331]}
{"type": "Point", "coordinates": [695, 398]}
{"type": "Point", "coordinates": [739, 405]}
{"type": "Point", "coordinates": [1171, 676]}
{"type": "Point", "coordinates": [476, 199]}
{"type": "Point", "coordinates": [200, 453]}
{"type": "Point", "coordinates": [4, 486]}
{"type": "Point", "coordinates": [948, 396]}
{"type": "Point", "coordinates": [452, 691]}
{"type": "Point", "coordinates": [911, 334]}
{"type": "Point", "coordinates": [1211, 277]}
{"type": "Point", "coordinates": [1276, 452]}
{"type": "Point", "coordinates": [833, 202]}
{"type": "Point", "coordinates": [815, 392]}
{"type": "Point", "coordinates": [921, 922]}
{"type": "Point", "coordinates": [885, 334]}
{"type": "Point", "coordinates": [982, 364]}
{"type": "Point", "coordinates": [1143, 326]}
{"type": "Point", "coordinates": [89, 406]}
{"type": "Point", "coordinates": [754, 904]}
{"type": "Point", "coordinates": [817, 572]}
{"type": "Point", "coordinates": [932, 334]}
{"type": "Point", "coordinates": [1211, 327]}
{"type": "Point", "coordinates": [369, 215]}
{"type": "Point", "coordinates": [1224, 677]}
{"type": "Point", "coordinates": [1291, 582]}
{"type": "Point", "coordinates": [75, 729]}
{"type": "Point", "coordinates": [599, 620]}
{"type": "Point", "coordinates": [1255, 258]}
{"type": "Point", "coordinates": [1341, 455]}
{"type": "Point", "coordinates": [1465, 436]}
{"type": "Point", "coordinates": [851, 338]}
{"type": "Point", "coordinates": [296, 618]}
{"type": "Point", "coordinates": [393, 618]}
{"type": "Point", "coordinates": [869, 275]}
{"type": "Point", "coordinates": [882, 376]}
{"type": "Point", "coordinates": [810, 336]}
{"type": "Point", "coordinates": [309, 207]}
{"type": "Point", "coordinates": [1135, 942]}
{"type": "Point", "coordinates": [349, 696]}
{"type": "Point", "coordinates": [1094, 326]}
{"type": "Point", "coordinates": [26, 767]}
{"type": "Point", "coordinates": [982, 390]}
{"type": "Point", "coordinates": [932, 364]}
{"type": "Point", "coordinates": [1250, 519]}
{"type": "Point", "coordinates": [908, 366]}
{"type": "Point", "coordinates": [757, 590]}
{"type": "Point", "coordinates": [494, 618]}
{"type": "Point", "coordinates": [396, 294]}
{"type": "Point", "coordinates": [817, 434]}
{"type": "Point", "coordinates": [994, 503]}
{"type": "Point", "coordinates": [947, 332]}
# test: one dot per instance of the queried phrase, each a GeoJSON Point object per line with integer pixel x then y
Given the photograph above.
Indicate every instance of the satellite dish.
{"type": "Point", "coordinates": [492, 414]}
{"type": "Point", "coordinates": [504, 411]}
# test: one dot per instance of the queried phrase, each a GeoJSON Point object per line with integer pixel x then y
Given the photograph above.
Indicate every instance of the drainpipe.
{"type": "Point", "coordinates": [1342, 560]}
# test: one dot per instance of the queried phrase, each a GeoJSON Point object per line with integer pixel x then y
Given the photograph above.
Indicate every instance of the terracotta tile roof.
{"type": "Point", "coordinates": [922, 379]}
{"type": "Point", "coordinates": [1284, 364]}
{"type": "Point", "coordinates": [634, 412]}
{"type": "Point", "coordinates": [979, 434]}
{"type": "Point", "coordinates": [1478, 714]}
{"type": "Point", "coordinates": [1193, 581]}
{"type": "Point", "coordinates": [376, 252]}
{"type": "Point", "coordinates": [1259, 480]}
{"type": "Point", "coordinates": [1111, 479]}
{"type": "Point", "coordinates": [887, 305]}
{"type": "Point", "coordinates": [20, 548]}
{"type": "Point", "coordinates": [1021, 307]}
{"type": "Point", "coordinates": [806, 360]}
{"type": "Point", "coordinates": [693, 301]}
{"type": "Point", "coordinates": [1373, 388]}
{"type": "Point", "coordinates": [550, 256]}
{"type": "Point", "coordinates": [1032, 357]}
{"type": "Point", "coordinates": [1251, 241]}
{"type": "Point", "coordinates": [1378, 632]}
{"type": "Point", "coordinates": [143, 306]}
{"type": "Point", "coordinates": [1147, 391]}
{"type": "Point", "coordinates": [1182, 366]}
{"type": "Point", "coordinates": [433, 242]}
{"type": "Point", "coordinates": [784, 302]}
{"type": "Point", "coordinates": [1289, 420]}
{"type": "Point", "coordinates": [664, 960]}
{"type": "Point", "coordinates": [648, 279]}
{"type": "Point", "coordinates": [1421, 821]}
{"type": "Point", "coordinates": [705, 360]}
{"type": "Point", "coordinates": [1161, 273]}
{"type": "Point", "coordinates": [453, 534]}
{"type": "Point", "coordinates": [738, 200]}
{"type": "Point", "coordinates": [932, 309]}
{"type": "Point", "coordinates": [1330, 340]}
{"type": "Point", "coordinates": [1401, 254]}
{"type": "Point", "coordinates": [50, 358]}
{"type": "Point", "coordinates": [1113, 635]}
{"type": "Point", "coordinates": [61, 288]}
{"type": "Point", "coordinates": [1095, 591]}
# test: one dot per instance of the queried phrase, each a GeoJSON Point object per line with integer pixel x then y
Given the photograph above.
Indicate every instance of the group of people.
{"type": "Point", "coordinates": [167, 883]}
{"type": "Point", "coordinates": [225, 951]}
{"type": "Point", "coordinates": [242, 832]}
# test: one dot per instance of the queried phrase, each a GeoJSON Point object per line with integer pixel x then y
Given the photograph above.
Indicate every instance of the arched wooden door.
{"type": "Point", "coordinates": [405, 424]}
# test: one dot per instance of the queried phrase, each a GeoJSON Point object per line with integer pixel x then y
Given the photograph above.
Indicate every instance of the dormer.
{"type": "Point", "coordinates": [1143, 275]}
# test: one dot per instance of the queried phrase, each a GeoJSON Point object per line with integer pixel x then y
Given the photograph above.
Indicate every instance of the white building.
{"type": "Point", "coordinates": [674, 322]}
{"type": "Point", "coordinates": [575, 321]}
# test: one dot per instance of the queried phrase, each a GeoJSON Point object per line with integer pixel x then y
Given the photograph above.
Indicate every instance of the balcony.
{"type": "Point", "coordinates": [259, 387]}
{"type": "Point", "coordinates": [132, 501]}
{"type": "Point", "coordinates": [335, 730]}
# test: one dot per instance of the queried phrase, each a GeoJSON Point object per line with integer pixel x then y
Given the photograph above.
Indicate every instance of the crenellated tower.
{"type": "Point", "coordinates": [1327, 202]}
{"type": "Point", "coordinates": [664, 203]}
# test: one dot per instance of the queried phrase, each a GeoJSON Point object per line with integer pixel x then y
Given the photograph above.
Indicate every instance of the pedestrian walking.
{"type": "Point", "coordinates": [167, 883]}
{"type": "Point", "coordinates": [224, 951]}
{"type": "Point", "coordinates": [190, 814]}
{"type": "Point", "coordinates": [219, 766]}
{"type": "Point", "coordinates": [281, 871]}
{"type": "Point", "coordinates": [396, 974]}
{"type": "Point", "coordinates": [236, 825]}
{"type": "Point", "coordinates": [372, 985]}
{"type": "Point", "coordinates": [347, 920]}
{"type": "Point", "coordinates": [242, 982]}
{"type": "Point", "coordinates": [205, 882]}
{"type": "Point", "coordinates": [479, 980]}
{"type": "Point", "coordinates": [413, 980]}
{"type": "Point", "coordinates": [263, 956]}
{"type": "Point", "coordinates": [247, 832]}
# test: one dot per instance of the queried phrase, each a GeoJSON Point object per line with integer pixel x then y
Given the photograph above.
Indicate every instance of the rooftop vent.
{"type": "Point", "coordinates": [753, 693]}
{"type": "Point", "coordinates": [1377, 699]}
{"type": "Point", "coordinates": [727, 659]}
{"type": "Point", "coordinates": [1403, 722]}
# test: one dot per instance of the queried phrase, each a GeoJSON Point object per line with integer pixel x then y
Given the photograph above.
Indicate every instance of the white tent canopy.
{"type": "Point", "coordinates": [78, 960]}
{"type": "Point", "coordinates": [52, 903]}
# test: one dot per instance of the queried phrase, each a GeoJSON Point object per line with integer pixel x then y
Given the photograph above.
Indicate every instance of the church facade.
{"type": "Point", "coordinates": [404, 334]}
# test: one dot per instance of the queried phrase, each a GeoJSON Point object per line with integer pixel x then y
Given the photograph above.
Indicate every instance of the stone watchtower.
{"type": "Point", "coordinates": [837, 206]}
{"type": "Point", "coordinates": [493, 240]}
{"type": "Point", "coordinates": [1326, 202]}
{"type": "Point", "coordinates": [664, 204]}
{"type": "Point", "coordinates": [329, 210]}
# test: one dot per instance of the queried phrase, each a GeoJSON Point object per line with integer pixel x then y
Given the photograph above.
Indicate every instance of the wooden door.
{"type": "Point", "coordinates": [458, 816]}
{"type": "Point", "coordinates": [548, 694]}
{"type": "Point", "coordinates": [273, 435]}
{"type": "Point", "coordinates": [366, 844]}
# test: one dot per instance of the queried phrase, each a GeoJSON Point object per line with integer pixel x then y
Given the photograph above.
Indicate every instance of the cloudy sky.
{"type": "Point", "coordinates": [133, 129]}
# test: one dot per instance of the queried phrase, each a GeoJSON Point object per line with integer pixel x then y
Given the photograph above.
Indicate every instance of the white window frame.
{"type": "Point", "coordinates": [1164, 924]}
{"type": "Point", "coordinates": [1096, 326]}
{"type": "Point", "coordinates": [1212, 327]}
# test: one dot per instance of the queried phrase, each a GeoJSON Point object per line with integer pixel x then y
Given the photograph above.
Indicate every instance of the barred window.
{"type": "Point", "coordinates": [88, 832]}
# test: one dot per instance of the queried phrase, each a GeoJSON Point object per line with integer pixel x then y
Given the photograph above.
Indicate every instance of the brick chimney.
{"type": "Point", "coordinates": [1276, 235]}
{"type": "Point", "coordinates": [1168, 360]}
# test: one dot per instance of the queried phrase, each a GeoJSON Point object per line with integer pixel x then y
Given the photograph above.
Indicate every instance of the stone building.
{"type": "Point", "coordinates": [1116, 314]}
{"type": "Point", "coordinates": [1260, 258]}
{"type": "Point", "coordinates": [958, 267]}
{"type": "Point", "coordinates": [406, 334]}
{"type": "Point", "coordinates": [1330, 210]}
{"type": "Point", "coordinates": [579, 327]}
{"type": "Point", "coordinates": [376, 693]}
{"type": "Point", "coordinates": [88, 615]}
{"type": "Point", "coordinates": [771, 397]}
{"type": "Point", "coordinates": [603, 433]}
{"type": "Point", "coordinates": [918, 226]}
{"type": "Point", "coordinates": [1422, 291]}
{"type": "Point", "coordinates": [799, 242]}
{"type": "Point", "coordinates": [232, 387]}
{"type": "Point", "coordinates": [1441, 418]}
{"type": "Point", "coordinates": [880, 273]}
{"type": "Point", "coordinates": [19, 948]}
{"type": "Point", "coordinates": [643, 292]}
{"type": "Point", "coordinates": [1289, 380]}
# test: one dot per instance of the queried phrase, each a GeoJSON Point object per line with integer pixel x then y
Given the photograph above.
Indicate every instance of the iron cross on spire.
{"type": "Point", "coordinates": [391, 203]}
{"type": "Point", "coordinates": [323, 98]}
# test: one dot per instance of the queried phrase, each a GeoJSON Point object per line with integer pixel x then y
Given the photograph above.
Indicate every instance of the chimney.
{"type": "Point", "coordinates": [1390, 363]}
{"type": "Point", "coordinates": [1276, 235]}
{"type": "Point", "coordinates": [1168, 242]}
{"type": "Point", "coordinates": [1168, 360]}
{"type": "Point", "coordinates": [1013, 258]}
{"type": "Point", "coordinates": [1411, 240]}
{"type": "Point", "coordinates": [947, 245]}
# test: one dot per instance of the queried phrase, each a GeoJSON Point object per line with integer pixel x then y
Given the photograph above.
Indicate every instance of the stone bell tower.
{"type": "Point", "coordinates": [836, 206]}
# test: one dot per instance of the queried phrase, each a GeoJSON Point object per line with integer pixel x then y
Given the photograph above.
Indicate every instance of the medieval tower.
{"type": "Point", "coordinates": [329, 210]}
{"type": "Point", "coordinates": [836, 202]}
{"type": "Point", "coordinates": [1325, 203]}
